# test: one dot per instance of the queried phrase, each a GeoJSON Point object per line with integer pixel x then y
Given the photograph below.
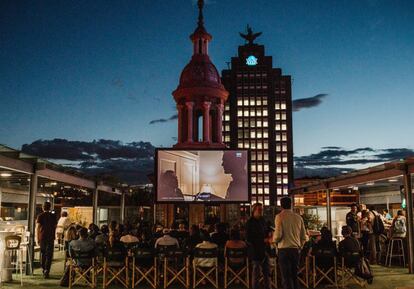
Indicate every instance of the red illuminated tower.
{"type": "Point", "coordinates": [200, 96]}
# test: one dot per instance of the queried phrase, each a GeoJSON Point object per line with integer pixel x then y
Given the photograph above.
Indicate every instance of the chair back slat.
{"type": "Point", "coordinates": [205, 253]}
{"type": "Point", "coordinates": [236, 253]}
{"type": "Point", "coordinates": [12, 242]}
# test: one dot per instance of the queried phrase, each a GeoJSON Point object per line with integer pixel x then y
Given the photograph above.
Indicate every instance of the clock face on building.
{"type": "Point", "coordinates": [251, 60]}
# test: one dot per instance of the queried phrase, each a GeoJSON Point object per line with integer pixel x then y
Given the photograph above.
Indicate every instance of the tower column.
{"type": "Point", "coordinates": [190, 123]}
{"type": "Point", "coordinates": [219, 123]}
{"type": "Point", "coordinates": [206, 121]}
{"type": "Point", "coordinates": [180, 109]}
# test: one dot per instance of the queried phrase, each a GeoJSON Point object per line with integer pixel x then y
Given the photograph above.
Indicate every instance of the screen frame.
{"type": "Point", "coordinates": [249, 185]}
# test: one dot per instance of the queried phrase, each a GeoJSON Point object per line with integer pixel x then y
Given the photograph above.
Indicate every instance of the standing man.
{"type": "Point", "coordinates": [46, 226]}
{"type": "Point", "coordinates": [353, 221]}
{"type": "Point", "coordinates": [257, 239]}
{"type": "Point", "coordinates": [290, 236]}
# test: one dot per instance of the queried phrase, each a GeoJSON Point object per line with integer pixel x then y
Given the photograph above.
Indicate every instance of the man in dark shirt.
{"type": "Point", "coordinates": [257, 238]}
{"type": "Point", "coordinates": [352, 220]}
{"type": "Point", "coordinates": [46, 226]}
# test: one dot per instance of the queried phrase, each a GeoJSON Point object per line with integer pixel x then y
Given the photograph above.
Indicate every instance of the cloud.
{"type": "Point", "coordinates": [129, 162]}
{"type": "Point", "coordinates": [162, 120]}
{"type": "Point", "coordinates": [336, 156]}
{"type": "Point", "coordinates": [302, 103]}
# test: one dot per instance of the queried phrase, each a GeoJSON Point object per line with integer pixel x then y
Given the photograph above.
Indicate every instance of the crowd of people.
{"type": "Point", "coordinates": [287, 237]}
{"type": "Point", "coordinates": [374, 229]}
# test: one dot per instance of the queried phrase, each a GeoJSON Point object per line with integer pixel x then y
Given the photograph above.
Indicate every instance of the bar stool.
{"type": "Point", "coordinates": [25, 247]}
{"type": "Point", "coordinates": [13, 252]}
{"type": "Point", "coordinates": [395, 252]}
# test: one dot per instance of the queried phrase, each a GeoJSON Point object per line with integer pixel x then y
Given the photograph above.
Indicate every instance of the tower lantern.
{"type": "Point", "coordinates": [200, 96]}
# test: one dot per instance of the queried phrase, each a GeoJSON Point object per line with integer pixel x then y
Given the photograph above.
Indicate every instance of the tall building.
{"type": "Point", "coordinates": [258, 116]}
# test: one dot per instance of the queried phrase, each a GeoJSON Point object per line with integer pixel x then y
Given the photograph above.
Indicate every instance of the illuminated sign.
{"type": "Point", "coordinates": [251, 60]}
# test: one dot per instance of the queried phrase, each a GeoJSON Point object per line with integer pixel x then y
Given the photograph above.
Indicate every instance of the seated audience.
{"type": "Point", "coordinates": [93, 231]}
{"type": "Point", "coordinates": [83, 244]}
{"type": "Point", "coordinates": [325, 243]}
{"type": "Point", "coordinates": [206, 244]}
{"type": "Point", "coordinates": [235, 243]}
{"type": "Point", "coordinates": [102, 239]}
{"type": "Point", "coordinates": [219, 236]}
{"type": "Point", "coordinates": [129, 238]}
{"type": "Point", "coordinates": [349, 244]}
{"type": "Point", "coordinates": [166, 240]}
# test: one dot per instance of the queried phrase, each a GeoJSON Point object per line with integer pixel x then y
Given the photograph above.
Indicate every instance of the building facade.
{"type": "Point", "coordinates": [258, 116]}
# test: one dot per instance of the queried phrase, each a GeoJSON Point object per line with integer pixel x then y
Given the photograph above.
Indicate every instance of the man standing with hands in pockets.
{"type": "Point", "coordinates": [289, 236]}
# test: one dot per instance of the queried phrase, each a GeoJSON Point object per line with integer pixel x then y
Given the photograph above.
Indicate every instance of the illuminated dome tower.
{"type": "Point", "coordinates": [200, 96]}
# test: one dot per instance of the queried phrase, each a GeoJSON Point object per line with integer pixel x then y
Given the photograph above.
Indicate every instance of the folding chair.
{"type": "Point", "coordinates": [324, 267]}
{"type": "Point", "coordinates": [205, 271]}
{"type": "Point", "coordinates": [349, 261]}
{"type": "Point", "coordinates": [236, 271]}
{"type": "Point", "coordinates": [82, 268]}
{"type": "Point", "coordinates": [144, 267]}
{"type": "Point", "coordinates": [115, 266]}
{"type": "Point", "coordinates": [304, 272]}
{"type": "Point", "coordinates": [176, 267]}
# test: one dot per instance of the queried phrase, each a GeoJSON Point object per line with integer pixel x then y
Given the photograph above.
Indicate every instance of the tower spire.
{"type": "Point", "coordinates": [200, 4]}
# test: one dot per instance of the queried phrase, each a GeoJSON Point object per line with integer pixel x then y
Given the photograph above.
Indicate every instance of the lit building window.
{"type": "Point", "coordinates": [240, 123]}
{"type": "Point", "coordinates": [259, 145]}
{"type": "Point", "coordinates": [259, 113]}
{"type": "Point", "coordinates": [246, 112]}
{"type": "Point", "coordinates": [253, 179]}
{"type": "Point", "coordinates": [266, 202]}
{"type": "Point", "coordinates": [266, 190]}
{"type": "Point", "coordinates": [246, 144]}
{"type": "Point", "coordinates": [252, 102]}
{"type": "Point", "coordinates": [285, 169]}
{"type": "Point", "coordinates": [279, 191]}
{"type": "Point", "coordinates": [252, 134]}
{"type": "Point", "coordinates": [266, 178]}
{"type": "Point", "coordinates": [277, 105]}
{"type": "Point", "coordinates": [284, 148]}
{"type": "Point", "coordinates": [285, 180]}
{"type": "Point", "coordinates": [259, 135]}
{"type": "Point", "coordinates": [266, 156]}
{"type": "Point", "coordinates": [265, 134]}
{"type": "Point", "coordinates": [284, 136]}
{"type": "Point", "coordinates": [227, 138]}
{"type": "Point", "coordinates": [266, 168]}
{"type": "Point", "coordinates": [265, 112]}
{"type": "Point", "coordinates": [284, 127]}
{"type": "Point", "coordinates": [278, 148]}
{"type": "Point", "coordinates": [285, 158]}
{"type": "Point", "coordinates": [253, 168]}
{"type": "Point", "coordinates": [259, 102]}
{"type": "Point", "coordinates": [227, 117]}
{"type": "Point", "coordinates": [259, 123]}
{"type": "Point", "coordinates": [239, 113]}
{"type": "Point", "coordinates": [260, 191]}
{"type": "Point", "coordinates": [283, 105]}
{"type": "Point", "coordinates": [278, 169]}
{"type": "Point", "coordinates": [252, 112]}
{"type": "Point", "coordinates": [265, 145]}
{"type": "Point", "coordinates": [277, 116]}
{"type": "Point", "coordinates": [240, 145]}
{"type": "Point", "coordinates": [277, 137]}
{"type": "Point", "coordinates": [277, 126]}
{"type": "Point", "coordinates": [283, 115]}
{"type": "Point", "coordinates": [279, 180]}
{"type": "Point", "coordinates": [278, 159]}
{"type": "Point", "coordinates": [246, 102]}
{"type": "Point", "coordinates": [253, 145]}
{"type": "Point", "coordinates": [265, 124]}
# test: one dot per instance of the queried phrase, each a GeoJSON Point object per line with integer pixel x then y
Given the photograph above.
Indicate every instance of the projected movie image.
{"type": "Point", "coordinates": [202, 176]}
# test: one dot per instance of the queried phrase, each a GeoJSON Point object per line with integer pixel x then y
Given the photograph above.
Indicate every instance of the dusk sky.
{"type": "Point", "coordinates": [84, 70]}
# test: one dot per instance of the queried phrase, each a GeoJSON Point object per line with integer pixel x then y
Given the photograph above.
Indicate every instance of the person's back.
{"type": "Point", "coordinates": [399, 225]}
{"type": "Point", "coordinates": [206, 244]}
{"type": "Point", "coordinates": [82, 245]}
{"type": "Point", "coordinates": [290, 230]}
{"type": "Point", "coordinates": [235, 243]}
{"type": "Point", "coordinates": [166, 240]}
{"type": "Point", "coordinates": [289, 236]}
